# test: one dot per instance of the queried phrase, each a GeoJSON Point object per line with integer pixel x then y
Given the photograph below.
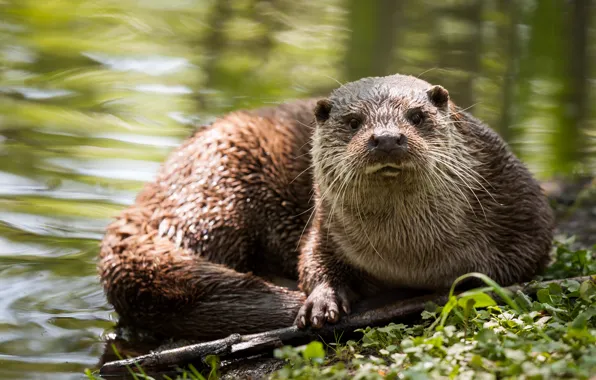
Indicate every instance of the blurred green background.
{"type": "Point", "coordinates": [94, 94]}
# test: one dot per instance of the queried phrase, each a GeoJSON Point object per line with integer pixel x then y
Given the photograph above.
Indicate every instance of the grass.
{"type": "Point", "coordinates": [552, 335]}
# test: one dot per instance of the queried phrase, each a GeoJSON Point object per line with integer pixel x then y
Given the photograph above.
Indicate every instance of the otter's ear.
{"type": "Point", "coordinates": [322, 110]}
{"type": "Point", "coordinates": [438, 96]}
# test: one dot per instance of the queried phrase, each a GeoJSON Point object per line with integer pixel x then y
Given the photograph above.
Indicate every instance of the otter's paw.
{"type": "Point", "coordinates": [323, 305]}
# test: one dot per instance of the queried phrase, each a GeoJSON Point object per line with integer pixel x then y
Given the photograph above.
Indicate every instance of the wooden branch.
{"type": "Point", "coordinates": [165, 358]}
{"type": "Point", "coordinates": [238, 346]}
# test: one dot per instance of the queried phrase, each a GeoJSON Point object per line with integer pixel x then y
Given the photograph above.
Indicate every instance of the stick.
{"type": "Point", "coordinates": [172, 356]}
{"type": "Point", "coordinates": [238, 346]}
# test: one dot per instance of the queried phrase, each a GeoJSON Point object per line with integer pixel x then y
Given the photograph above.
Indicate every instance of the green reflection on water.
{"type": "Point", "coordinates": [94, 94]}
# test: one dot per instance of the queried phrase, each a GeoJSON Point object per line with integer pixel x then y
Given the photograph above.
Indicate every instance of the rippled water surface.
{"type": "Point", "coordinates": [94, 94]}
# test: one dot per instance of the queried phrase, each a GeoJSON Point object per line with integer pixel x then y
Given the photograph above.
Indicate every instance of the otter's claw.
{"type": "Point", "coordinates": [322, 305]}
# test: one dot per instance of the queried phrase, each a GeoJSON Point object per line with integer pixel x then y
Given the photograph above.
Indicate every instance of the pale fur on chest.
{"type": "Point", "coordinates": [413, 243]}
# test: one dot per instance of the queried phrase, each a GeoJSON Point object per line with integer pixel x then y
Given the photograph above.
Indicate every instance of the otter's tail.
{"type": "Point", "coordinates": [156, 286]}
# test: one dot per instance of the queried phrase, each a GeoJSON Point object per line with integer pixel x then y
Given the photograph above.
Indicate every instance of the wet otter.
{"type": "Point", "coordinates": [389, 185]}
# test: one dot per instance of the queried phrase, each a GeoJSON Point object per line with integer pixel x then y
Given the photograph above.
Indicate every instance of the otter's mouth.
{"type": "Point", "coordinates": [390, 170]}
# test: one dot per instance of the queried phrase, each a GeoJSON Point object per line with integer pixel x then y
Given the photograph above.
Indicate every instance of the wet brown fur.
{"type": "Point", "coordinates": [237, 196]}
{"type": "Point", "coordinates": [483, 213]}
{"type": "Point", "coordinates": [233, 199]}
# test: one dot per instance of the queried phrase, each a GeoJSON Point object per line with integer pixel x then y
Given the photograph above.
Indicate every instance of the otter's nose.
{"type": "Point", "coordinates": [388, 144]}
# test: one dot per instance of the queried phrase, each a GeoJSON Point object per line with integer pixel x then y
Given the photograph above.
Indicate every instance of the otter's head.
{"type": "Point", "coordinates": [382, 131]}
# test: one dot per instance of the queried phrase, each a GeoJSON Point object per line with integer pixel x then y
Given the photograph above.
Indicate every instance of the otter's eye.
{"type": "Point", "coordinates": [354, 123]}
{"type": "Point", "coordinates": [416, 117]}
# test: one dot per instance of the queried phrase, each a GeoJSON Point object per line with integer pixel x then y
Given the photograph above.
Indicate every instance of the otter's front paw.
{"type": "Point", "coordinates": [323, 305]}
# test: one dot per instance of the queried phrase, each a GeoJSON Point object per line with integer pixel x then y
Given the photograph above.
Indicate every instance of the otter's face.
{"type": "Point", "coordinates": [381, 132]}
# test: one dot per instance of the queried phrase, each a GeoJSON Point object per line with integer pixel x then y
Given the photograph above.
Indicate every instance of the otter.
{"type": "Point", "coordinates": [385, 185]}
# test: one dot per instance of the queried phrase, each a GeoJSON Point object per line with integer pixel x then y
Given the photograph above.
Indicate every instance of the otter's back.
{"type": "Point", "coordinates": [237, 191]}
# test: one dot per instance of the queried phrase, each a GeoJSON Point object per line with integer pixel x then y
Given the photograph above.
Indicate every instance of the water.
{"type": "Point", "coordinates": [94, 94]}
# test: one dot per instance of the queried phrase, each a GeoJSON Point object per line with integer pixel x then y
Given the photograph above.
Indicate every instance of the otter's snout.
{"type": "Point", "coordinates": [388, 145]}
